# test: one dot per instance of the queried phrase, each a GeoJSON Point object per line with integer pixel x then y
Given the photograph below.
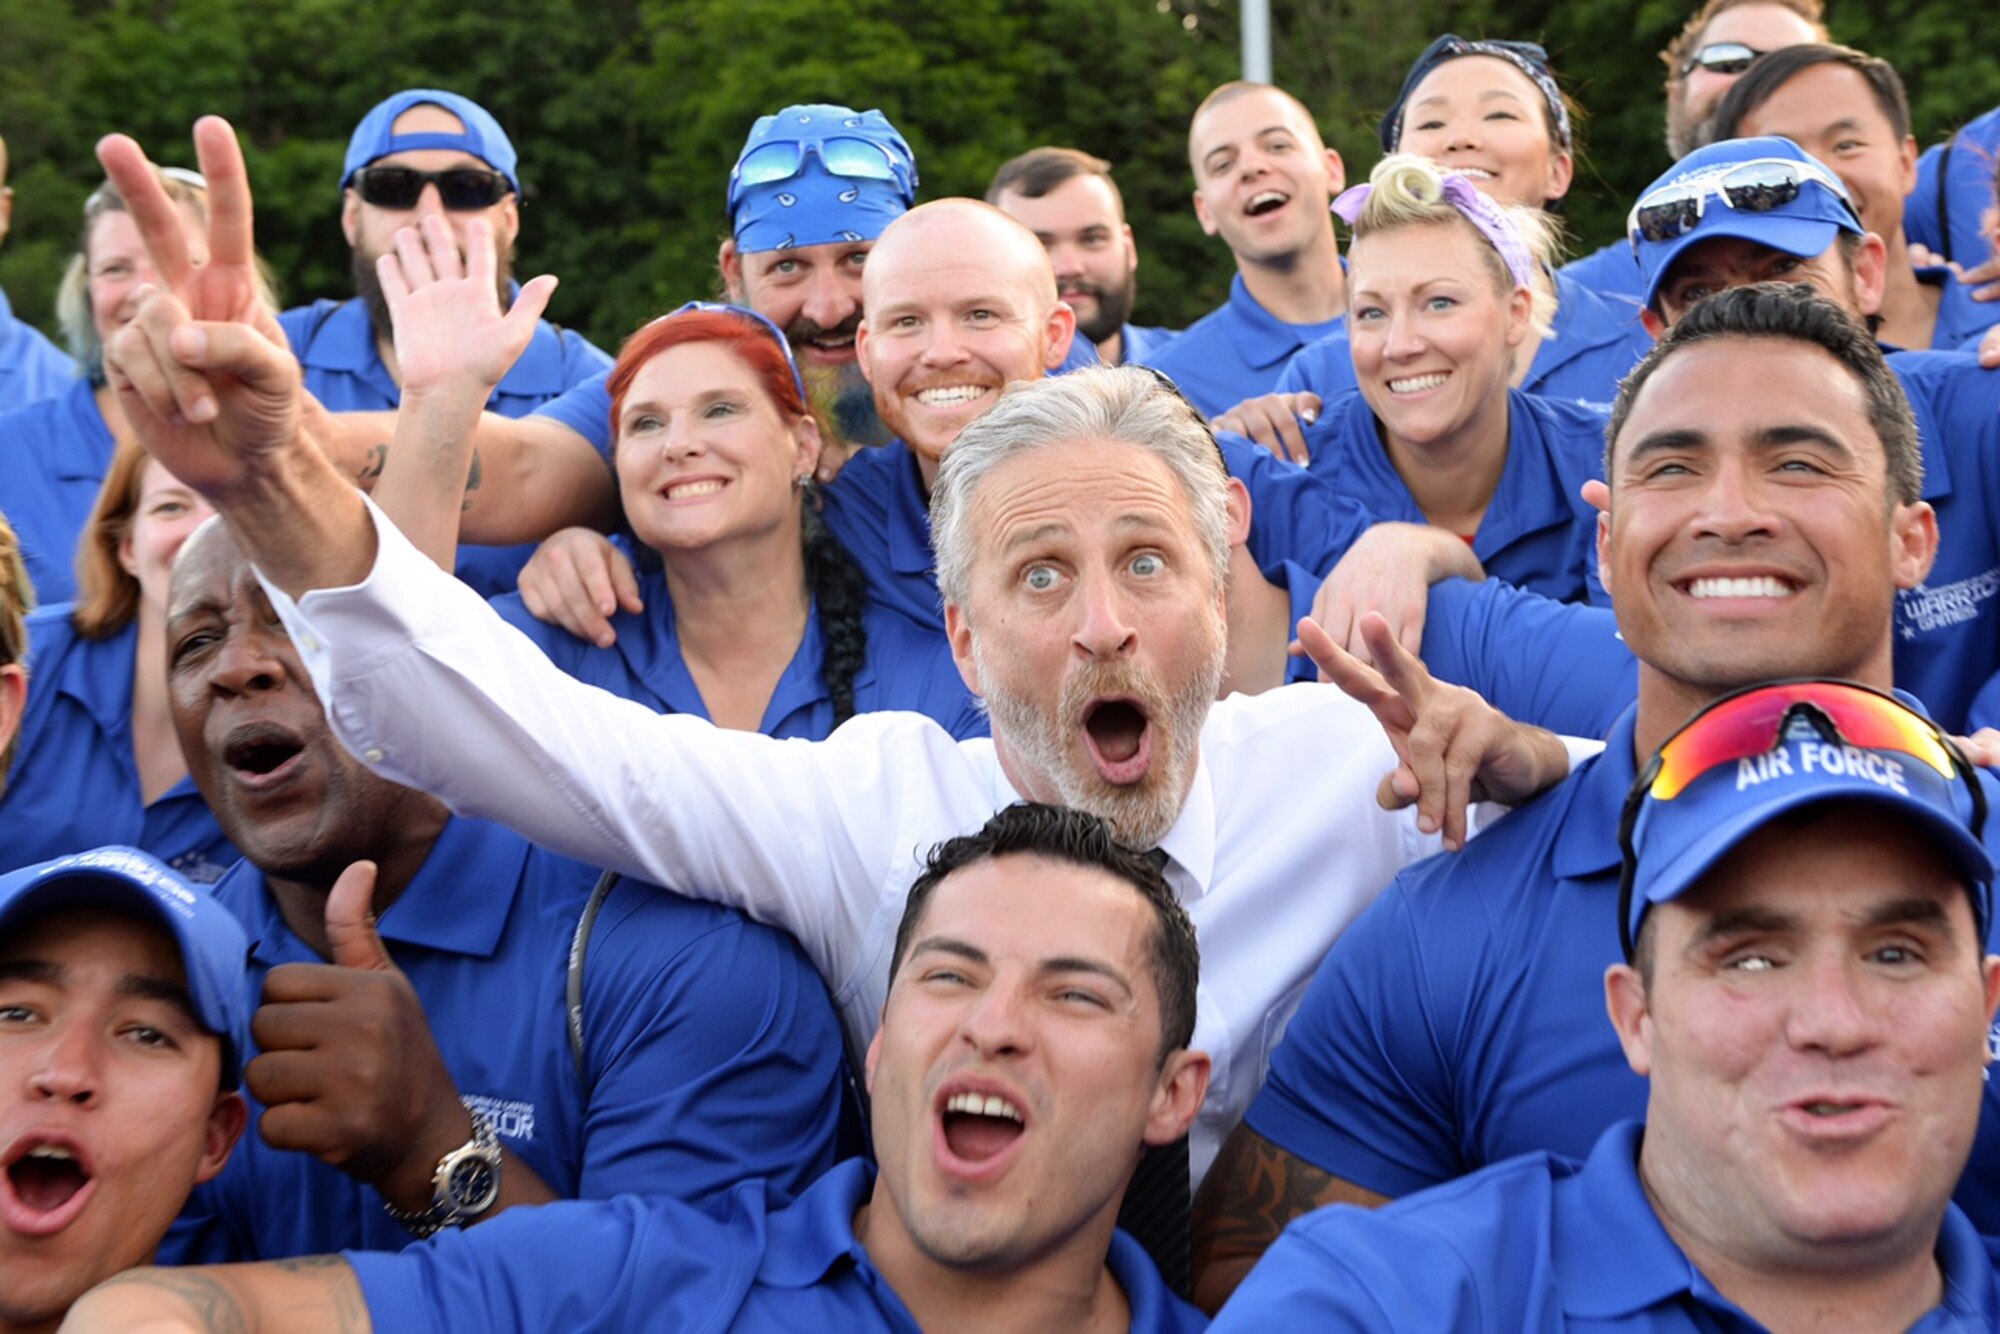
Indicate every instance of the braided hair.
{"type": "Point", "coordinates": [840, 588]}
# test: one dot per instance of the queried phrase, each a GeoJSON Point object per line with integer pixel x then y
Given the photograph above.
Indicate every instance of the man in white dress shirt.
{"type": "Point", "coordinates": [1082, 539]}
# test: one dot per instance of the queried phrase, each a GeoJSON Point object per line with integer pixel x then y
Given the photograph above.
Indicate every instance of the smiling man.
{"type": "Point", "coordinates": [123, 1022]}
{"type": "Point", "coordinates": [1034, 1041]}
{"type": "Point", "coordinates": [1807, 989]}
{"type": "Point", "coordinates": [1264, 181]}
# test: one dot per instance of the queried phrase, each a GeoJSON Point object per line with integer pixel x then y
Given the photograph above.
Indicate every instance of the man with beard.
{"type": "Point", "coordinates": [427, 151]}
{"type": "Point", "coordinates": [1703, 60]}
{"type": "Point", "coordinates": [1264, 181]}
{"type": "Point", "coordinates": [1082, 538]}
{"type": "Point", "coordinates": [1069, 201]}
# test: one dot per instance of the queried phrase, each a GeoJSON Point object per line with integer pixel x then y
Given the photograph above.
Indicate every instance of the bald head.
{"type": "Point", "coordinates": [965, 226]}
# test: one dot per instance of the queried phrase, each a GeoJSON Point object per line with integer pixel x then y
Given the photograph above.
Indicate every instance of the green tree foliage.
{"type": "Point", "coordinates": [628, 113]}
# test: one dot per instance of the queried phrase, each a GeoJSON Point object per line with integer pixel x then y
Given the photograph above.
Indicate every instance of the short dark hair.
{"type": "Point", "coordinates": [1800, 314]}
{"type": "Point", "coordinates": [1062, 834]}
{"type": "Point", "coordinates": [1040, 170]}
{"type": "Point", "coordinates": [1768, 73]}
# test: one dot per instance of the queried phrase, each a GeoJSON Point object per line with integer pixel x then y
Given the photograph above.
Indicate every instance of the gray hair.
{"type": "Point", "coordinates": [1130, 404]}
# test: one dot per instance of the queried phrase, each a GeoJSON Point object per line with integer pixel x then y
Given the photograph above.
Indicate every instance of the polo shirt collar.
{"type": "Point", "coordinates": [458, 902]}
{"type": "Point", "coordinates": [909, 514]}
{"type": "Point", "coordinates": [651, 648]}
{"type": "Point", "coordinates": [98, 675]}
{"type": "Point", "coordinates": [1613, 1256]}
{"type": "Point", "coordinates": [1259, 337]}
{"type": "Point", "coordinates": [1589, 843]}
{"type": "Point", "coordinates": [816, 1231]}
{"type": "Point", "coordinates": [87, 455]}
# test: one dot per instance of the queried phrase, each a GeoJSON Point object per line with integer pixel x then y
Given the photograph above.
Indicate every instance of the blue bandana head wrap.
{"type": "Point", "coordinates": [819, 175]}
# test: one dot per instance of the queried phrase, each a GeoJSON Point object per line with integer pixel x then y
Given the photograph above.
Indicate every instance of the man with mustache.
{"type": "Point", "coordinates": [1068, 200]}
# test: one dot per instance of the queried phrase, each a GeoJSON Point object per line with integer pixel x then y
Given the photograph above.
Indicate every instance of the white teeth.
{"type": "Point", "coordinates": [1263, 197]}
{"type": "Point", "coordinates": [52, 1151]}
{"type": "Point", "coordinates": [975, 1105]}
{"type": "Point", "coordinates": [950, 396]}
{"type": "Point", "coordinates": [1476, 173]}
{"type": "Point", "coordinates": [1418, 383]}
{"type": "Point", "coordinates": [1762, 586]}
{"type": "Point", "coordinates": [686, 489]}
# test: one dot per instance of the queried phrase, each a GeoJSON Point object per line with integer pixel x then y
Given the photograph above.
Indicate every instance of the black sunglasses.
{"type": "Point", "coordinates": [1721, 58]}
{"type": "Point", "coordinates": [460, 189]}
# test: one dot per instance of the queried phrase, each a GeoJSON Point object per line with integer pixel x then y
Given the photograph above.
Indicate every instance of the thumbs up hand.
{"type": "Point", "coordinates": [347, 1068]}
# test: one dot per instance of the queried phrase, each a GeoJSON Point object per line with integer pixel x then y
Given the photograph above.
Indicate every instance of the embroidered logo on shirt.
{"type": "Point", "coordinates": [1922, 609]}
{"type": "Point", "coordinates": [511, 1119]}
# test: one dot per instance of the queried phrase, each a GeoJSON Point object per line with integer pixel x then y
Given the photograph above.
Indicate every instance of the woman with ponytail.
{"type": "Point", "coordinates": [748, 611]}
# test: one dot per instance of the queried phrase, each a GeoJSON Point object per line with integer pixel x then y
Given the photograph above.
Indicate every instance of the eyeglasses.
{"type": "Point", "coordinates": [1721, 58]}
{"type": "Point", "coordinates": [460, 189]}
{"type": "Point", "coordinates": [841, 155]}
{"type": "Point", "coordinates": [1757, 186]}
{"type": "Point", "coordinates": [744, 312]}
{"type": "Point", "coordinates": [1755, 720]}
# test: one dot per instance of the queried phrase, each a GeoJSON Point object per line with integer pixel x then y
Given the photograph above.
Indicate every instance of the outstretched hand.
{"type": "Point", "coordinates": [446, 311]}
{"type": "Point", "coordinates": [1452, 746]}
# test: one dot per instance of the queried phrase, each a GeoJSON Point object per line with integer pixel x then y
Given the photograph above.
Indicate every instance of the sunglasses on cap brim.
{"type": "Point", "coordinates": [460, 189]}
{"type": "Point", "coordinates": [1754, 720]}
{"type": "Point", "coordinates": [1760, 185]}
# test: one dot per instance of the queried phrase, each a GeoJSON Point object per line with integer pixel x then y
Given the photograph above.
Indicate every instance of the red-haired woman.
{"type": "Point", "coordinates": [752, 614]}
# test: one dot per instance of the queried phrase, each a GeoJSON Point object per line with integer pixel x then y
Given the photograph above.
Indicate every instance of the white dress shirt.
{"type": "Point", "coordinates": [1279, 844]}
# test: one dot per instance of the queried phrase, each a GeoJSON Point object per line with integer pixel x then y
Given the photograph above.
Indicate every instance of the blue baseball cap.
{"type": "Point", "coordinates": [819, 175]}
{"type": "Point", "coordinates": [1670, 844]}
{"type": "Point", "coordinates": [1800, 221]}
{"type": "Point", "coordinates": [482, 136]}
{"type": "Point", "coordinates": [212, 945]}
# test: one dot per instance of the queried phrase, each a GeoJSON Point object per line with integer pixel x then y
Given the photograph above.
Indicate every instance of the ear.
{"type": "Point", "coordinates": [1562, 171]}
{"type": "Point", "coordinates": [1871, 274]}
{"type": "Point", "coordinates": [731, 265]}
{"type": "Point", "coordinates": [1655, 326]}
{"type": "Point", "coordinates": [1131, 248]}
{"type": "Point", "coordinates": [958, 630]}
{"type": "Point", "coordinates": [1336, 170]}
{"type": "Point", "coordinates": [808, 442]}
{"type": "Point", "coordinates": [350, 217]}
{"type": "Point", "coordinates": [1914, 531]}
{"type": "Point", "coordinates": [1598, 495]}
{"type": "Point", "coordinates": [1202, 215]}
{"type": "Point", "coordinates": [1177, 1096]}
{"type": "Point", "coordinates": [226, 1121]}
{"type": "Point", "coordinates": [1989, 972]}
{"type": "Point", "coordinates": [873, 1058]}
{"type": "Point", "coordinates": [1237, 505]}
{"type": "Point", "coordinates": [861, 350]}
{"type": "Point", "coordinates": [126, 560]}
{"type": "Point", "coordinates": [1520, 311]}
{"type": "Point", "coordinates": [1906, 165]}
{"type": "Point", "coordinates": [1625, 1000]}
{"type": "Point", "coordinates": [7, 211]}
{"type": "Point", "coordinates": [1060, 330]}
{"type": "Point", "coordinates": [506, 220]}
{"type": "Point", "coordinates": [13, 699]}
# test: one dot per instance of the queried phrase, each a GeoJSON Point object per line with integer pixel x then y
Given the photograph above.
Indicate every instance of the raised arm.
{"type": "Point", "coordinates": [316, 1294]}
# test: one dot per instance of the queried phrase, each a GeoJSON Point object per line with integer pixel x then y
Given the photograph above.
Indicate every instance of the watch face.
{"type": "Point", "coordinates": [471, 1184]}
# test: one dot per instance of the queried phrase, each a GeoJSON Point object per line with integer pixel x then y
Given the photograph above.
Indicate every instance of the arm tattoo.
{"type": "Point", "coordinates": [1251, 1192]}
{"type": "Point", "coordinates": [372, 467]}
{"type": "Point", "coordinates": [472, 480]}
{"type": "Point", "coordinates": [212, 1304]}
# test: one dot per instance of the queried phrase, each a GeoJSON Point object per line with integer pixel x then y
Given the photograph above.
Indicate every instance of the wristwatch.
{"type": "Point", "coordinates": [465, 1185]}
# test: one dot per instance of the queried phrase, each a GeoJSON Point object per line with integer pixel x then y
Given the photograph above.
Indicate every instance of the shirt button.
{"type": "Point", "coordinates": [373, 755]}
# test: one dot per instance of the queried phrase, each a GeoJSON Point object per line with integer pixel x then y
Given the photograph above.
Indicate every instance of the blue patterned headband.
{"type": "Point", "coordinates": [1528, 57]}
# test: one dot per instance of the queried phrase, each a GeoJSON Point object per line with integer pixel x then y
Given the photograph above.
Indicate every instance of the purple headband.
{"type": "Point", "coordinates": [1475, 208]}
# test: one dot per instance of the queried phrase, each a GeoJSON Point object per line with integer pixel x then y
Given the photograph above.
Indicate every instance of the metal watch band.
{"type": "Point", "coordinates": [444, 1212]}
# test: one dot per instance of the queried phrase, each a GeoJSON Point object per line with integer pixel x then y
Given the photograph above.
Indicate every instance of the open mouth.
{"type": "Point", "coordinates": [1265, 201]}
{"type": "Point", "coordinates": [831, 346]}
{"type": "Point", "coordinates": [261, 754]}
{"type": "Point", "coordinates": [1119, 735]}
{"type": "Point", "coordinates": [693, 489]}
{"type": "Point", "coordinates": [47, 1184]}
{"type": "Point", "coordinates": [951, 395]}
{"type": "Point", "coordinates": [1417, 384]}
{"type": "Point", "coordinates": [980, 1127]}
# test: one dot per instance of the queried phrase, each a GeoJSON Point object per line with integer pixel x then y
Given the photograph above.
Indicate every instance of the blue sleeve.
{"type": "Point", "coordinates": [1325, 368]}
{"type": "Point", "coordinates": [1361, 1083]}
{"type": "Point", "coordinates": [1558, 665]}
{"type": "Point", "coordinates": [586, 409]}
{"type": "Point", "coordinates": [1294, 516]}
{"type": "Point", "coordinates": [707, 1065]}
{"type": "Point", "coordinates": [1985, 710]}
{"type": "Point", "coordinates": [1350, 1271]}
{"type": "Point", "coordinates": [583, 360]}
{"type": "Point", "coordinates": [598, 1265]}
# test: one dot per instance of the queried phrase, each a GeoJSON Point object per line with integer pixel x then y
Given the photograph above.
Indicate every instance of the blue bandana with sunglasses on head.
{"type": "Point", "coordinates": [819, 175]}
{"type": "Point", "coordinates": [1764, 189]}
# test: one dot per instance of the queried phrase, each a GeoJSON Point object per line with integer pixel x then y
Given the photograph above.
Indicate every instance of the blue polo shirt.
{"type": "Point", "coordinates": [878, 510]}
{"type": "Point", "coordinates": [75, 781]}
{"type": "Point", "coordinates": [712, 1054]}
{"type": "Point", "coordinates": [1559, 665]}
{"type": "Point", "coordinates": [1593, 346]}
{"type": "Point", "coordinates": [1948, 628]}
{"type": "Point", "coordinates": [1234, 352]}
{"type": "Point", "coordinates": [335, 343]}
{"type": "Point", "coordinates": [1539, 1243]}
{"type": "Point", "coordinates": [906, 667]}
{"type": "Point", "coordinates": [637, 1265]}
{"type": "Point", "coordinates": [1537, 533]}
{"type": "Point", "coordinates": [1985, 710]}
{"type": "Point", "coordinates": [31, 367]}
{"type": "Point", "coordinates": [1613, 273]}
{"type": "Point", "coordinates": [1460, 1019]}
{"type": "Point", "coordinates": [57, 452]}
{"type": "Point", "coordinates": [1944, 212]}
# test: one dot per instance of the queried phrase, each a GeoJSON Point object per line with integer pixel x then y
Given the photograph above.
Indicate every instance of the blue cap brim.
{"type": "Point", "coordinates": [1803, 237]}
